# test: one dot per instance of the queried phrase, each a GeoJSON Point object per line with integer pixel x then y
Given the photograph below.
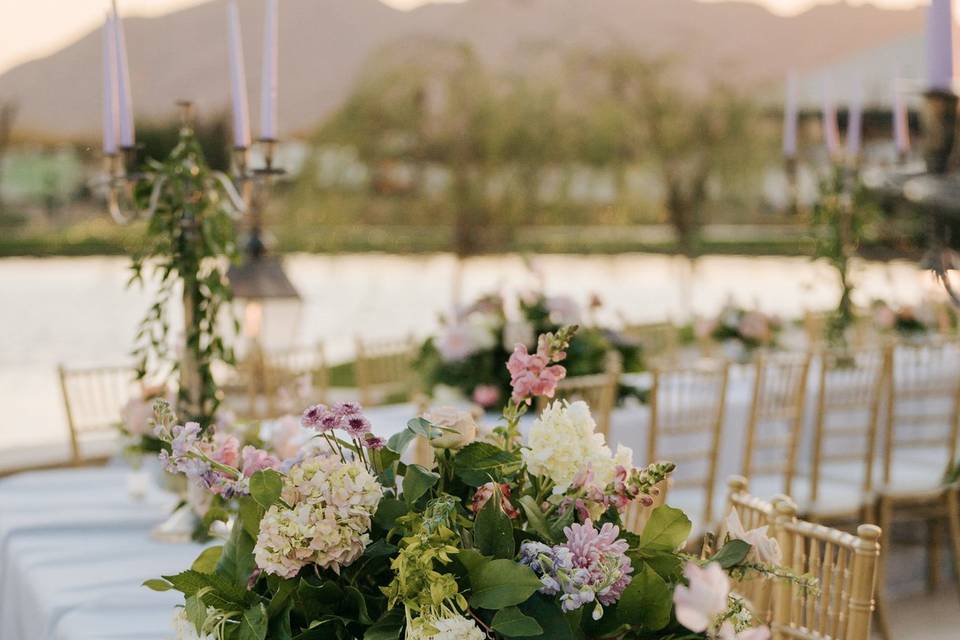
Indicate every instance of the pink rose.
{"type": "Point", "coordinates": [483, 494]}
{"type": "Point", "coordinates": [486, 395]}
{"type": "Point", "coordinates": [698, 604]}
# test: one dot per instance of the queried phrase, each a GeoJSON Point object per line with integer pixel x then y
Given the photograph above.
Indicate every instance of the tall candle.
{"type": "Point", "coordinates": [123, 83]}
{"type": "Point", "coordinates": [238, 79]}
{"type": "Point", "coordinates": [901, 122]}
{"type": "Point", "coordinates": [790, 118]}
{"type": "Point", "coordinates": [831, 132]}
{"type": "Point", "coordinates": [940, 45]}
{"type": "Point", "coordinates": [855, 126]}
{"type": "Point", "coordinates": [110, 124]}
{"type": "Point", "coordinates": [268, 90]}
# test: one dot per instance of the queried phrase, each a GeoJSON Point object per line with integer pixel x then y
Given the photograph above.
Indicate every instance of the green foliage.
{"type": "Point", "coordinates": [493, 530]}
{"type": "Point", "coordinates": [265, 487]}
{"type": "Point", "coordinates": [496, 584]}
{"type": "Point", "coordinates": [482, 462]}
{"type": "Point", "coordinates": [513, 623]}
{"type": "Point", "coordinates": [188, 241]}
{"type": "Point", "coordinates": [841, 219]}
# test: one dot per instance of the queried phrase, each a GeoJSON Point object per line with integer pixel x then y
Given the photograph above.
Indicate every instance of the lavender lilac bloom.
{"type": "Point", "coordinates": [590, 565]}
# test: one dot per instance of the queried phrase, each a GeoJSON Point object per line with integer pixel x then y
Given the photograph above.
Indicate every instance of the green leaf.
{"type": "Point", "coordinates": [253, 625]}
{"type": "Point", "coordinates": [478, 462]}
{"type": "Point", "coordinates": [388, 627]}
{"type": "Point", "coordinates": [493, 530]}
{"type": "Point", "coordinates": [265, 487]}
{"type": "Point", "coordinates": [502, 583]}
{"type": "Point", "coordinates": [206, 562]}
{"type": "Point", "coordinates": [282, 593]}
{"type": "Point", "coordinates": [417, 482]}
{"type": "Point", "coordinates": [195, 611]}
{"type": "Point", "coordinates": [360, 603]}
{"type": "Point", "coordinates": [471, 559]}
{"type": "Point", "coordinates": [236, 561]}
{"type": "Point", "coordinates": [535, 518]}
{"type": "Point", "coordinates": [399, 441]}
{"type": "Point", "coordinates": [646, 602]}
{"type": "Point", "coordinates": [513, 623]}
{"type": "Point", "coordinates": [666, 530]}
{"type": "Point", "coordinates": [388, 511]}
{"type": "Point", "coordinates": [157, 584]}
{"type": "Point", "coordinates": [732, 553]}
{"type": "Point", "coordinates": [425, 428]}
{"type": "Point", "coordinates": [250, 515]}
{"type": "Point", "coordinates": [547, 613]}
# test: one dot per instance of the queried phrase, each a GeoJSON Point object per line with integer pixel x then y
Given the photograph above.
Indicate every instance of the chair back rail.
{"type": "Point", "coordinates": [844, 565]}
{"type": "Point", "coordinates": [848, 407]}
{"type": "Point", "coordinates": [384, 367]}
{"type": "Point", "coordinates": [776, 416]}
{"type": "Point", "coordinates": [686, 417]}
{"type": "Point", "coordinates": [923, 400]}
{"type": "Point", "coordinates": [93, 399]}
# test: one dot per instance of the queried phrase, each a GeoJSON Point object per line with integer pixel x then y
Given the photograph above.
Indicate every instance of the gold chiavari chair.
{"type": "Point", "coordinates": [920, 444]}
{"type": "Point", "coordinates": [775, 422]}
{"type": "Point", "coordinates": [850, 389]}
{"type": "Point", "coordinates": [293, 378]}
{"type": "Point", "coordinates": [753, 513]}
{"type": "Point", "coordinates": [845, 567]}
{"type": "Point", "coordinates": [93, 399]}
{"type": "Point", "coordinates": [599, 391]}
{"type": "Point", "coordinates": [637, 514]}
{"type": "Point", "coordinates": [384, 369]}
{"type": "Point", "coordinates": [686, 417]}
{"type": "Point", "coordinates": [659, 341]}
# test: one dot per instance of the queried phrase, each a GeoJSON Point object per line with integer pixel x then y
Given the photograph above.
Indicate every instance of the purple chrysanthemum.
{"type": "Point", "coordinates": [374, 442]}
{"type": "Point", "coordinates": [357, 425]}
{"type": "Point", "coordinates": [345, 409]}
{"type": "Point", "coordinates": [313, 415]}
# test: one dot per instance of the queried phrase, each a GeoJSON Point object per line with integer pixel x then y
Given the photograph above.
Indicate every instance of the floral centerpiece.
{"type": "Point", "coordinates": [739, 330]}
{"type": "Point", "coordinates": [468, 351]}
{"type": "Point", "coordinates": [495, 539]}
{"type": "Point", "coordinates": [910, 321]}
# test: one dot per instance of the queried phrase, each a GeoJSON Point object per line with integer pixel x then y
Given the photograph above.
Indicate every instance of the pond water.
{"type": "Point", "coordinates": [78, 311]}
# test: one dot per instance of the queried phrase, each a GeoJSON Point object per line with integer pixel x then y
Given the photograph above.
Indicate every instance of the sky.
{"type": "Point", "coordinates": [34, 28]}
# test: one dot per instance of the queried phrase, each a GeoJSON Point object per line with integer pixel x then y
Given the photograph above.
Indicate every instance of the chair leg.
{"type": "Point", "coordinates": [953, 516]}
{"type": "Point", "coordinates": [934, 537]}
{"type": "Point", "coordinates": [884, 520]}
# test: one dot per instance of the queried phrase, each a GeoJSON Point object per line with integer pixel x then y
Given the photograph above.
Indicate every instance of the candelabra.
{"type": "Point", "coordinates": [257, 278]}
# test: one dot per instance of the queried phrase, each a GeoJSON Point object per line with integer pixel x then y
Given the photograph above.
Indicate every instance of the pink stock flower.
{"type": "Point", "coordinates": [705, 598]}
{"type": "Point", "coordinates": [486, 395]}
{"type": "Point", "coordinates": [257, 460]}
{"type": "Point", "coordinates": [532, 375]}
{"type": "Point", "coordinates": [226, 450]}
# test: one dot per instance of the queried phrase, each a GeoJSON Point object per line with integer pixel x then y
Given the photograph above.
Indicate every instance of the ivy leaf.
{"type": "Point", "coordinates": [265, 487]}
{"type": "Point", "coordinates": [513, 623]}
{"type": "Point", "coordinates": [417, 481]}
{"type": "Point", "coordinates": [732, 553]}
{"type": "Point", "coordinates": [493, 530]}
{"type": "Point", "coordinates": [666, 530]}
{"type": "Point", "coordinates": [502, 583]}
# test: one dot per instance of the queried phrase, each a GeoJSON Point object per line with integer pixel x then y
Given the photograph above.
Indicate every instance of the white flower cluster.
{"type": "Point", "coordinates": [563, 442]}
{"type": "Point", "coordinates": [332, 504]}
{"type": "Point", "coordinates": [454, 627]}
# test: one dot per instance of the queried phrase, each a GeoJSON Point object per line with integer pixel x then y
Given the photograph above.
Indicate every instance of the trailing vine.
{"type": "Point", "coordinates": [189, 241]}
{"type": "Point", "coordinates": [840, 218]}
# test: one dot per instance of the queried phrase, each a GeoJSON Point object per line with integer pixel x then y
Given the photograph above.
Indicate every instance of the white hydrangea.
{"type": "Point", "coordinates": [332, 505]}
{"type": "Point", "coordinates": [454, 627]}
{"type": "Point", "coordinates": [183, 629]}
{"type": "Point", "coordinates": [563, 441]}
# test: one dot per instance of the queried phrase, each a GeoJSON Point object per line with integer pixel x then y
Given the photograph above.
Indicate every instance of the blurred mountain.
{"type": "Point", "coordinates": [325, 43]}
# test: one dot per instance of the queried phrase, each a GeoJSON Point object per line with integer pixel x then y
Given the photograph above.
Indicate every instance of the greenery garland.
{"type": "Point", "coordinates": [190, 239]}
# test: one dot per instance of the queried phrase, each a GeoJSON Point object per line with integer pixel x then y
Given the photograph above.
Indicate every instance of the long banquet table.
{"type": "Point", "coordinates": [75, 547]}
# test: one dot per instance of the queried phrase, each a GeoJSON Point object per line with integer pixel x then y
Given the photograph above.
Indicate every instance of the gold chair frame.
{"type": "Point", "coordinates": [677, 417]}
{"type": "Point", "coordinates": [93, 398]}
{"type": "Point", "coordinates": [384, 367]}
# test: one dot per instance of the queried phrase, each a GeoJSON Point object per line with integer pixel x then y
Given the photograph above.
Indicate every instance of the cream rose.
{"type": "Point", "coordinates": [458, 428]}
